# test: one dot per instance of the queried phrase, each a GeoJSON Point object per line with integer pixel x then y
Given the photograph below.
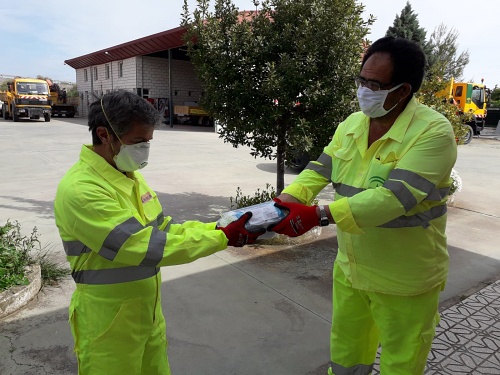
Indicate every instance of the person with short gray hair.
{"type": "Point", "coordinates": [116, 237]}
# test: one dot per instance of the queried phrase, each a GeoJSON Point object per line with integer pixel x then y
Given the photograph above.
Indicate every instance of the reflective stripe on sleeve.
{"type": "Point", "coordinates": [326, 160]}
{"type": "Point", "coordinates": [420, 219]}
{"type": "Point", "coordinates": [75, 248]}
{"type": "Point", "coordinates": [354, 370]}
{"type": "Point", "coordinates": [413, 179]}
{"type": "Point", "coordinates": [438, 194]}
{"type": "Point", "coordinates": [402, 194]}
{"type": "Point", "coordinates": [156, 246]}
{"type": "Point", "coordinates": [118, 236]}
{"type": "Point", "coordinates": [347, 190]}
{"type": "Point", "coordinates": [324, 169]}
{"type": "Point", "coordinates": [157, 222]}
{"type": "Point", "coordinates": [113, 275]}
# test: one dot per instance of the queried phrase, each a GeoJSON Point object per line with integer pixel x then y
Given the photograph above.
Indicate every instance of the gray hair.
{"type": "Point", "coordinates": [118, 111]}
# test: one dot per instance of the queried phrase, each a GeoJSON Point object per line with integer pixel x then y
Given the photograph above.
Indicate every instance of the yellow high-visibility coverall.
{"type": "Point", "coordinates": [116, 237]}
{"type": "Point", "coordinates": [390, 211]}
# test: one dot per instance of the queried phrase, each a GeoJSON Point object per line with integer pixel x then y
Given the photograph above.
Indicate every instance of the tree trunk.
{"type": "Point", "coordinates": [280, 165]}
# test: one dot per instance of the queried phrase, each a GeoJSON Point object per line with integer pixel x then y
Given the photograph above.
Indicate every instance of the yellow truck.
{"type": "Point", "coordinates": [60, 103]}
{"type": "Point", "coordinates": [26, 98]}
{"type": "Point", "coordinates": [189, 114]}
{"type": "Point", "coordinates": [471, 98]}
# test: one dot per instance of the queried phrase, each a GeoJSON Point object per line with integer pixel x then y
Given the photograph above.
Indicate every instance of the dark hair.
{"type": "Point", "coordinates": [408, 59]}
{"type": "Point", "coordinates": [123, 109]}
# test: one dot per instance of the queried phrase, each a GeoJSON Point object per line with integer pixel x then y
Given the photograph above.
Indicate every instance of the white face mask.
{"type": "Point", "coordinates": [132, 157]}
{"type": "Point", "coordinates": [372, 102]}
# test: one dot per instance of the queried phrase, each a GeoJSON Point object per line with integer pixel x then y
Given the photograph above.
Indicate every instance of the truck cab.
{"type": "Point", "coordinates": [26, 98]}
{"type": "Point", "coordinates": [470, 99]}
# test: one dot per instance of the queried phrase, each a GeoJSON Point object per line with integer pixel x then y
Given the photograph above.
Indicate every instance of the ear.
{"type": "Point", "coordinates": [405, 90]}
{"type": "Point", "coordinates": [104, 135]}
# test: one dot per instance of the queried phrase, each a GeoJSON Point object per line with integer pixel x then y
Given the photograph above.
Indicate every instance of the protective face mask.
{"type": "Point", "coordinates": [132, 157]}
{"type": "Point", "coordinates": [372, 102]}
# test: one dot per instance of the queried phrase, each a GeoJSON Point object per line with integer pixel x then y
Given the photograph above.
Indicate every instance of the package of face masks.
{"type": "Point", "coordinates": [263, 216]}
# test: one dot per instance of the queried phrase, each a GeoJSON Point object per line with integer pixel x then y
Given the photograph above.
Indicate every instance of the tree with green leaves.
{"type": "Point", "coordinates": [442, 64]}
{"type": "Point", "coordinates": [429, 95]}
{"type": "Point", "coordinates": [278, 79]}
{"type": "Point", "coordinates": [444, 52]}
{"type": "Point", "coordinates": [445, 66]}
{"type": "Point", "coordinates": [406, 25]}
{"type": "Point", "coordinates": [73, 91]}
{"type": "Point", "coordinates": [495, 97]}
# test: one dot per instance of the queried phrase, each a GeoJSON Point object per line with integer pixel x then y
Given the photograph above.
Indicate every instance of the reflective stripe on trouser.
{"type": "Point", "coordinates": [404, 326]}
{"type": "Point", "coordinates": [119, 329]}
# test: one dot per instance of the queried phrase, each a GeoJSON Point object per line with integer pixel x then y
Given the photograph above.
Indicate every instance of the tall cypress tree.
{"type": "Point", "coordinates": [406, 26]}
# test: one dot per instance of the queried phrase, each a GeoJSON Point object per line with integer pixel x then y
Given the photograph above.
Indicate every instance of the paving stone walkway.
{"type": "Point", "coordinates": [468, 337]}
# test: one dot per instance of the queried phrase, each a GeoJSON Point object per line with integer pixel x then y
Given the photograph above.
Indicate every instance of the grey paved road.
{"type": "Point", "coordinates": [258, 310]}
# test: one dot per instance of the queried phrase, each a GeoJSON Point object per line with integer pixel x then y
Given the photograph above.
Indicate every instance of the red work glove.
{"type": "Point", "coordinates": [237, 234]}
{"type": "Point", "coordinates": [300, 219]}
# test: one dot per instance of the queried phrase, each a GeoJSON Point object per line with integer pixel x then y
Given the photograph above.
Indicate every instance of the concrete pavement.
{"type": "Point", "coordinates": [256, 310]}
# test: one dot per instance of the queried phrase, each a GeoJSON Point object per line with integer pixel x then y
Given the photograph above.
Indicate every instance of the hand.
{"type": "Point", "coordinates": [300, 219]}
{"type": "Point", "coordinates": [237, 234]}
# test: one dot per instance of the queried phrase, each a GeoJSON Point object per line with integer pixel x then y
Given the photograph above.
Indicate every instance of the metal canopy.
{"type": "Point", "coordinates": [151, 44]}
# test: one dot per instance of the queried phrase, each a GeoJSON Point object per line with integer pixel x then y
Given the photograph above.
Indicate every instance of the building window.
{"type": "Point", "coordinates": [143, 92]}
{"type": "Point", "coordinates": [120, 69]}
{"type": "Point", "coordinates": [85, 75]}
{"type": "Point", "coordinates": [96, 77]}
{"type": "Point", "coordinates": [87, 97]}
{"type": "Point", "coordinates": [107, 71]}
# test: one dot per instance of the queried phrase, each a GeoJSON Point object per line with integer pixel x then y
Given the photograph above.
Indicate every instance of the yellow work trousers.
{"type": "Point", "coordinates": [404, 326]}
{"type": "Point", "coordinates": [119, 329]}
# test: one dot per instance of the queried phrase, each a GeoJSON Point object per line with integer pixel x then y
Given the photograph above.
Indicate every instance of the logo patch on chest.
{"type": "Point", "coordinates": [376, 181]}
{"type": "Point", "coordinates": [146, 197]}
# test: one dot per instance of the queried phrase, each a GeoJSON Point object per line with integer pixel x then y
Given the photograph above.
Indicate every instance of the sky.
{"type": "Point", "coordinates": [36, 42]}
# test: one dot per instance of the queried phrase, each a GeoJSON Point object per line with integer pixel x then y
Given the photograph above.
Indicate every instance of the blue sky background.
{"type": "Point", "coordinates": [37, 38]}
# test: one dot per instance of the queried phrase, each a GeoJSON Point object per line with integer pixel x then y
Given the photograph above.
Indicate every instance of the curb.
{"type": "Point", "coordinates": [17, 297]}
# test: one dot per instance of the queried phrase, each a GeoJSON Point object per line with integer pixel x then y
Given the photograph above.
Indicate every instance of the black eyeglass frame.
{"type": "Point", "coordinates": [371, 84]}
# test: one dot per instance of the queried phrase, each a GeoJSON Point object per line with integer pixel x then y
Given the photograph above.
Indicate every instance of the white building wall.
{"type": "Point", "coordinates": [186, 86]}
{"type": "Point", "coordinates": [103, 85]}
{"type": "Point", "coordinates": [151, 73]}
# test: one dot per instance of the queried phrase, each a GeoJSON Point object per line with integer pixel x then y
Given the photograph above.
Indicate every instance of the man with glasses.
{"type": "Point", "coordinates": [390, 165]}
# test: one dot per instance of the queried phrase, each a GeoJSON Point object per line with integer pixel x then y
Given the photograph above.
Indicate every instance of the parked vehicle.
{"type": "Point", "coordinates": [193, 115]}
{"type": "Point", "coordinates": [60, 103]}
{"type": "Point", "coordinates": [471, 98]}
{"type": "Point", "coordinates": [26, 98]}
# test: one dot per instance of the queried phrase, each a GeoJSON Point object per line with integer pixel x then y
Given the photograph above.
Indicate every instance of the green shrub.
{"type": "Point", "coordinates": [17, 252]}
{"type": "Point", "coordinates": [260, 196]}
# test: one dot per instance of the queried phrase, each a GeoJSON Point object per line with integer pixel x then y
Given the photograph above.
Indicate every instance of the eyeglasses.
{"type": "Point", "coordinates": [372, 85]}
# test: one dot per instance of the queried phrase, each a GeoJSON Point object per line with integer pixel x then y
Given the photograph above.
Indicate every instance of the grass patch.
{"type": "Point", "coordinates": [17, 252]}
